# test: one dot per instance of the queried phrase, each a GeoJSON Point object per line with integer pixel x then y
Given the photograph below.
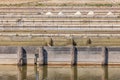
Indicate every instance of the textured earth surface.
{"type": "Point", "coordinates": [16, 1]}
{"type": "Point", "coordinates": [56, 2]}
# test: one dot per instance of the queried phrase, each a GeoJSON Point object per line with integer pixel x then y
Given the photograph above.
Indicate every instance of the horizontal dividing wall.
{"type": "Point", "coordinates": [90, 55]}
{"type": "Point", "coordinates": [73, 55]}
{"type": "Point", "coordinates": [59, 55]}
{"type": "Point", "coordinates": [114, 55]}
{"type": "Point", "coordinates": [18, 55]}
{"type": "Point", "coordinates": [79, 55]}
{"type": "Point", "coordinates": [8, 55]}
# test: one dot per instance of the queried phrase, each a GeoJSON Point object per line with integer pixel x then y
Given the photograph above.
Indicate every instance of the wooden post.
{"type": "Point", "coordinates": [50, 43]}
{"type": "Point", "coordinates": [72, 55]}
{"type": "Point", "coordinates": [35, 59]}
{"type": "Point", "coordinates": [41, 57]}
{"type": "Point", "coordinates": [20, 56]}
{"type": "Point", "coordinates": [105, 55]}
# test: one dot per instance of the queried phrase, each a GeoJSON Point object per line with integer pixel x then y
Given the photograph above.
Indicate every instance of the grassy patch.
{"type": "Point", "coordinates": [61, 41]}
{"type": "Point", "coordinates": [39, 4]}
{"type": "Point", "coordinates": [100, 5]}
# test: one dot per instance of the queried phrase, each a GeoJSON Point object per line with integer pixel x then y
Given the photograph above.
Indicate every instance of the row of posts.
{"type": "Point", "coordinates": [22, 60]}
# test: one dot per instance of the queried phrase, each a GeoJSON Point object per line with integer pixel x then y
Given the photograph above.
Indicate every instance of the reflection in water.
{"type": "Point", "coordinates": [36, 73]}
{"type": "Point", "coordinates": [22, 73]}
{"type": "Point", "coordinates": [59, 73]}
{"type": "Point", "coordinates": [105, 68]}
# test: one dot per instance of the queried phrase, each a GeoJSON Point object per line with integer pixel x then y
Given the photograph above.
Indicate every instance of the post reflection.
{"type": "Point", "coordinates": [67, 73]}
{"type": "Point", "coordinates": [73, 73]}
{"type": "Point", "coordinates": [36, 72]}
{"type": "Point", "coordinates": [22, 72]}
{"type": "Point", "coordinates": [105, 69]}
{"type": "Point", "coordinates": [43, 72]}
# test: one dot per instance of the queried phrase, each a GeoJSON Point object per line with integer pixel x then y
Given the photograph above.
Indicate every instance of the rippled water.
{"type": "Point", "coordinates": [59, 73]}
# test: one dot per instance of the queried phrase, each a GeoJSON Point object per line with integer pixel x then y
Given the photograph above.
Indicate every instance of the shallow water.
{"type": "Point", "coordinates": [59, 73]}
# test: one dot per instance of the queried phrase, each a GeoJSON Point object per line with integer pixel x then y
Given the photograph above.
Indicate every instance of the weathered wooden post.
{"type": "Point", "coordinates": [35, 59]}
{"type": "Point", "coordinates": [72, 55]}
{"type": "Point", "coordinates": [50, 43]}
{"type": "Point", "coordinates": [41, 57]}
{"type": "Point", "coordinates": [105, 55]}
{"type": "Point", "coordinates": [20, 56]}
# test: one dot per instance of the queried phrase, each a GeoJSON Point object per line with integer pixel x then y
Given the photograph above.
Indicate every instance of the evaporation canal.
{"type": "Point", "coordinates": [59, 73]}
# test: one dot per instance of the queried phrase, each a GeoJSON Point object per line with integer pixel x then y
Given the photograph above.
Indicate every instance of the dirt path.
{"type": "Point", "coordinates": [16, 1]}
{"type": "Point", "coordinates": [59, 2]}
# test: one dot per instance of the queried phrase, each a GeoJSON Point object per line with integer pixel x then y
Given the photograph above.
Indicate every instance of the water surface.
{"type": "Point", "coordinates": [59, 73]}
